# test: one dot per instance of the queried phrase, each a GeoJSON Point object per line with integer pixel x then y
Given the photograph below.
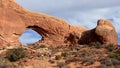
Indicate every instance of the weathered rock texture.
{"type": "Point", "coordinates": [104, 33]}
{"type": "Point", "coordinates": [14, 20]}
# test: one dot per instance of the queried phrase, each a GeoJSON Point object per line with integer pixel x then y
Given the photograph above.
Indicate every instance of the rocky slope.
{"type": "Point", "coordinates": [93, 55]}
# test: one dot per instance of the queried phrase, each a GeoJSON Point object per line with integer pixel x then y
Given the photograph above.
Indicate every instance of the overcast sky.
{"type": "Point", "coordinates": [77, 12]}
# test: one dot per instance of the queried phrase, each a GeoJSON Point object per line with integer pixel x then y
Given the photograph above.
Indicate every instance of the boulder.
{"type": "Point", "coordinates": [104, 33]}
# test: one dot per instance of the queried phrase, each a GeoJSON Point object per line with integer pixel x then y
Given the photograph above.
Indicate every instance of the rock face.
{"type": "Point", "coordinates": [14, 20]}
{"type": "Point", "coordinates": [104, 33]}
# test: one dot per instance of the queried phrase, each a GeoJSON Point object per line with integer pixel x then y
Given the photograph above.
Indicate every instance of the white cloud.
{"type": "Point", "coordinates": [56, 6]}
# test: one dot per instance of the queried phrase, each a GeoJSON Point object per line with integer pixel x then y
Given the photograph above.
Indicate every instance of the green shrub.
{"type": "Point", "coordinates": [106, 61]}
{"type": "Point", "coordinates": [84, 52]}
{"type": "Point", "coordinates": [89, 60]}
{"type": "Point", "coordinates": [115, 61]}
{"type": "Point", "coordinates": [42, 46]}
{"type": "Point", "coordinates": [51, 61]}
{"type": "Point", "coordinates": [64, 54]}
{"type": "Point", "coordinates": [102, 66]}
{"type": "Point", "coordinates": [60, 64]}
{"type": "Point", "coordinates": [4, 63]}
{"type": "Point", "coordinates": [74, 53]}
{"type": "Point", "coordinates": [110, 47]}
{"type": "Point", "coordinates": [79, 67]}
{"type": "Point", "coordinates": [51, 48]}
{"type": "Point", "coordinates": [114, 55]}
{"type": "Point", "coordinates": [95, 44]}
{"type": "Point", "coordinates": [16, 54]}
{"type": "Point", "coordinates": [39, 46]}
{"type": "Point", "coordinates": [58, 57]}
{"type": "Point", "coordinates": [67, 67]}
{"type": "Point", "coordinates": [72, 59]}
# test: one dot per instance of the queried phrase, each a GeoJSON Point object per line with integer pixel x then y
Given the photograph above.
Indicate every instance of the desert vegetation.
{"type": "Point", "coordinates": [93, 55]}
{"type": "Point", "coordinates": [16, 54]}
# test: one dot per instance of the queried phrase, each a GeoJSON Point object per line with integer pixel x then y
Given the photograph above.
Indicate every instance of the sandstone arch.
{"type": "Point", "coordinates": [14, 20]}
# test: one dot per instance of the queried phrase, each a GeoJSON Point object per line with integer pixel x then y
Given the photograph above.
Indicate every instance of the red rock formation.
{"type": "Point", "coordinates": [14, 20]}
{"type": "Point", "coordinates": [104, 33]}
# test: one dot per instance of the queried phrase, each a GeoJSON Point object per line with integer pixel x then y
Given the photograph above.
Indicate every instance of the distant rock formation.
{"type": "Point", "coordinates": [14, 20]}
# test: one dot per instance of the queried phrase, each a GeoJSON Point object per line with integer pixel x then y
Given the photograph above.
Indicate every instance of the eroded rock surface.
{"type": "Point", "coordinates": [14, 20]}
{"type": "Point", "coordinates": [104, 33]}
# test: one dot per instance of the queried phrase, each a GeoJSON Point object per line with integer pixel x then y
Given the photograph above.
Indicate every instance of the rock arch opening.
{"type": "Point", "coordinates": [29, 37]}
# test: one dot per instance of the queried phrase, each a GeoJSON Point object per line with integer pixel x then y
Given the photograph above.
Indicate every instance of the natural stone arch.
{"type": "Point", "coordinates": [15, 20]}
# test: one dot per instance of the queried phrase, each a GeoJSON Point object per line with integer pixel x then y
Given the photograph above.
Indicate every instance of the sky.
{"type": "Point", "coordinates": [77, 12]}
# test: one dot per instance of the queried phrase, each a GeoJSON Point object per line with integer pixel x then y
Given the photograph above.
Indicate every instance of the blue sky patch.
{"type": "Point", "coordinates": [29, 37]}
